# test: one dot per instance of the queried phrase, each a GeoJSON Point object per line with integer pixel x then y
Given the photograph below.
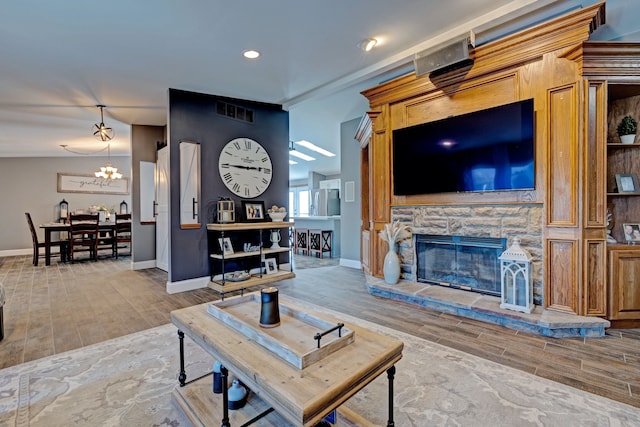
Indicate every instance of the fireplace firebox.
{"type": "Point", "coordinates": [464, 262]}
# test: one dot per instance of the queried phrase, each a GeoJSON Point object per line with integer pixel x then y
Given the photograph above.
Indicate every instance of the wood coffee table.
{"type": "Point", "coordinates": [266, 360]}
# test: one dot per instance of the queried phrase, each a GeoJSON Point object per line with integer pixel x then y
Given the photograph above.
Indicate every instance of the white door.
{"type": "Point", "coordinates": [162, 209]}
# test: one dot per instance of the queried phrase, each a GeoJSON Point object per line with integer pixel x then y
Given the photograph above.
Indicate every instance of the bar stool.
{"type": "Point", "coordinates": [302, 240]}
{"type": "Point", "coordinates": [320, 242]}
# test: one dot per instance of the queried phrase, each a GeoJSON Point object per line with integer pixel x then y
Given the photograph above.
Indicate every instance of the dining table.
{"type": "Point", "coordinates": [51, 227]}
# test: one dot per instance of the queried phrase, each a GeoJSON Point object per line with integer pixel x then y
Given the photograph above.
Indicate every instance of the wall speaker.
{"type": "Point", "coordinates": [444, 56]}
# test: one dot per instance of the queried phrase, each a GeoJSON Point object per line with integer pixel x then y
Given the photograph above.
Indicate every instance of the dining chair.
{"type": "Point", "coordinates": [106, 239]}
{"type": "Point", "coordinates": [122, 233]}
{"type": "Point", "coordinates": [84, 234]}
{"type": "Point", "coordinates": [62, 244]}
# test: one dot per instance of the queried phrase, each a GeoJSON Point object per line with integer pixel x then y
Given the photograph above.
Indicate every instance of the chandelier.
{"type": "Point", "coordinates": [108, 171]}
{"type": "Point", "coordinates": [100, 130]}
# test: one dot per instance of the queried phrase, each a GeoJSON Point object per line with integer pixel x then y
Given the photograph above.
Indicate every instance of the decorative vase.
{"type": "Point", "coordinates": [237, 395]}
{"type": "Point", "coordinates": [391, 267]}
{"type": "Point", "coordinates": [628, 139]}
{"type": "Point", "coordinates": [275, 238]}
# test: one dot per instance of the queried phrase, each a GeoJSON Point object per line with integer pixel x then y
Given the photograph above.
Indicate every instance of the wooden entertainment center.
{"type": "Point", "coordinates": [581, 90]}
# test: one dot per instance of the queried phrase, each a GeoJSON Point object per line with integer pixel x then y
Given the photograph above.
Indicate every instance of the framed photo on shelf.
{"type": "Point", "coordinates": [253, 211]}
{"type": "Point", "coordinates": [627, 183]}
{"type": "Point", "coordinates": [225, 245]}
{"type": "Point", "coordinates": [270, 266]}
{"type": "Point", "coordinates": [631, 232]}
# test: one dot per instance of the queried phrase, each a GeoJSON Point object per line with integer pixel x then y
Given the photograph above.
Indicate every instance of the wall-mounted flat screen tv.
{"type": "Point", "coordinates": [487, 150]}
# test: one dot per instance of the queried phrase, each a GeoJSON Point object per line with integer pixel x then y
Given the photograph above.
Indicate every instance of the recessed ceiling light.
{"type": "Point", "coordinates": [301, 155]}
{"type": "Point", "coordinates": [368, 44]}
{"type": "Point", "coordinates": [292, 162]}
{"type": "Point", "coordinates": [314, 147]}
{"type": "Point", "coordinates": [251, 54]}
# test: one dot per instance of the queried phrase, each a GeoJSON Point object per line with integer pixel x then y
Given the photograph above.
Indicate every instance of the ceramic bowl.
{"type": "Point", "coordinates": [277, 216]}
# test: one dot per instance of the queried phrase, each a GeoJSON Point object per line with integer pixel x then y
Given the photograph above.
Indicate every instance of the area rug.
{"type": "Point", "coordinates": [128, 381]}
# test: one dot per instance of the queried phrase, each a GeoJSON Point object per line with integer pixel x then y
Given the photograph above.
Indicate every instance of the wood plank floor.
{"type": "Point", "coordinates": [58, 308]}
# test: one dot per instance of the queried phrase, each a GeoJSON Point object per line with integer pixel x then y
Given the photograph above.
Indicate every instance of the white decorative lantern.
{"type": "Point", "coordinates": [226, 211]}
{"type": "Point", "coordinates": [515, 269]}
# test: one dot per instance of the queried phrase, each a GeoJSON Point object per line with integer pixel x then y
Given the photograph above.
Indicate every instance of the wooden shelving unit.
{"type": "Point", "coordinates": [622, 158]}
{"type": "Point", "coordinates": [228, 286]}
{"type": "Point", "coordinates": [240, 226]}
{"type": "Point", "coordinates": [242, 254]}
{"type": "Point", "coordinates": [217, 231]}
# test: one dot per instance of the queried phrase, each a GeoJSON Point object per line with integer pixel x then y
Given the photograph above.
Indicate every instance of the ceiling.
{"type": "Point", "coordinates": [61, 59]}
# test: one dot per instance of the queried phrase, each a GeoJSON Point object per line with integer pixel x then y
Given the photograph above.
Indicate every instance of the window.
{"type": "Point", "coordinates": [298, 201]}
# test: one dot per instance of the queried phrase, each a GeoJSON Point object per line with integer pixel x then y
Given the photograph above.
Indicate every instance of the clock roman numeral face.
{"type": "Point", "coordinates": [245, 167]}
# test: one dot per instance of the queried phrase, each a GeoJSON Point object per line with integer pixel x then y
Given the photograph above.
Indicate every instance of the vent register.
{"type": "Point", "coordinates": [234, 112]}
{"type": "Point", "coordinates": [445, 56]}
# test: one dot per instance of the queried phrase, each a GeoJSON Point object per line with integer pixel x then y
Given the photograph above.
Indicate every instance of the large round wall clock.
{"type": "Point", "coordinates": [245, 167]}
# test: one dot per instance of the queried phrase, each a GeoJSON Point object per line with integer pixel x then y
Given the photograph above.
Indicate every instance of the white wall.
{"type": "Point", "coordinates": [30, 185]}
{"type": "Point", "coordinates": [350, 212]}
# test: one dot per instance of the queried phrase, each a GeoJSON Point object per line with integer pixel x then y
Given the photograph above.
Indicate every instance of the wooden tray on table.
{"type": "Point", "coordinates": [293, 340]}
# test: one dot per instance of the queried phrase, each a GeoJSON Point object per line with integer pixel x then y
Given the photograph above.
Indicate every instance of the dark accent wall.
{"type": "Point", "coordinates": [193, 117]}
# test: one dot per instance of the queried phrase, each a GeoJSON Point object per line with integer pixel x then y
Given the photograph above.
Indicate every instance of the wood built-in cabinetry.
{"type": "Point", "coordinates": [611, 67]}
{"type": "Point", "coordinates": [624, 290]}
{"type": "Point", "coordinates": [624, 257]}
{"type": "Point", "coordinates": [257, 235]}
{"type": "Point", "coordinates": [580, 90]}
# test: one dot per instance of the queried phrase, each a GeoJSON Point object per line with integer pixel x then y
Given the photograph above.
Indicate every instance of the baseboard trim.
{"type": "Point", "coordinates": [187, 285]}
{"type": "Point", "coordinates": [16, 252]}
{"type": "Point", "coordinates": [351, 263]}
{"type": "Point", "coordinates": [142, 265]}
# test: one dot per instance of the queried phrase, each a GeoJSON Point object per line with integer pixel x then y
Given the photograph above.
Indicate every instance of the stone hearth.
{"type": "Point", "coordinates": [487, 309]}
{"type": "Point", "coordinates": [492, 221]}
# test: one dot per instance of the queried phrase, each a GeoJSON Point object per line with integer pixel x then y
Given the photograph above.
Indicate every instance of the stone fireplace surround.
{"type": "Point", "coordinates": [508, 221]}
{"type": "Point", "coordinates": [495, 221]}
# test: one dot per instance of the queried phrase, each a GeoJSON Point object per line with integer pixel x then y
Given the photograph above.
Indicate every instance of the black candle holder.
{"type": "Point", "coordinates": [269, 309]}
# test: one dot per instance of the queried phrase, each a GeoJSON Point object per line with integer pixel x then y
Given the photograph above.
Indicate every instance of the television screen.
{"type": "Point", "coordinates": [487, 150]}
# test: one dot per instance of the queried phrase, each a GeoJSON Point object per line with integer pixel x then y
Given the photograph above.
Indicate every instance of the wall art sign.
{"type": "Point", "coordinates": [76, 183]}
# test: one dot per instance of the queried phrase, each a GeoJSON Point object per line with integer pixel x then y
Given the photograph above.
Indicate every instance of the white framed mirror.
{"type": "Point", "coordinates": [189, 184]}
{"type": "Point", "coordinates": [147, 191]}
